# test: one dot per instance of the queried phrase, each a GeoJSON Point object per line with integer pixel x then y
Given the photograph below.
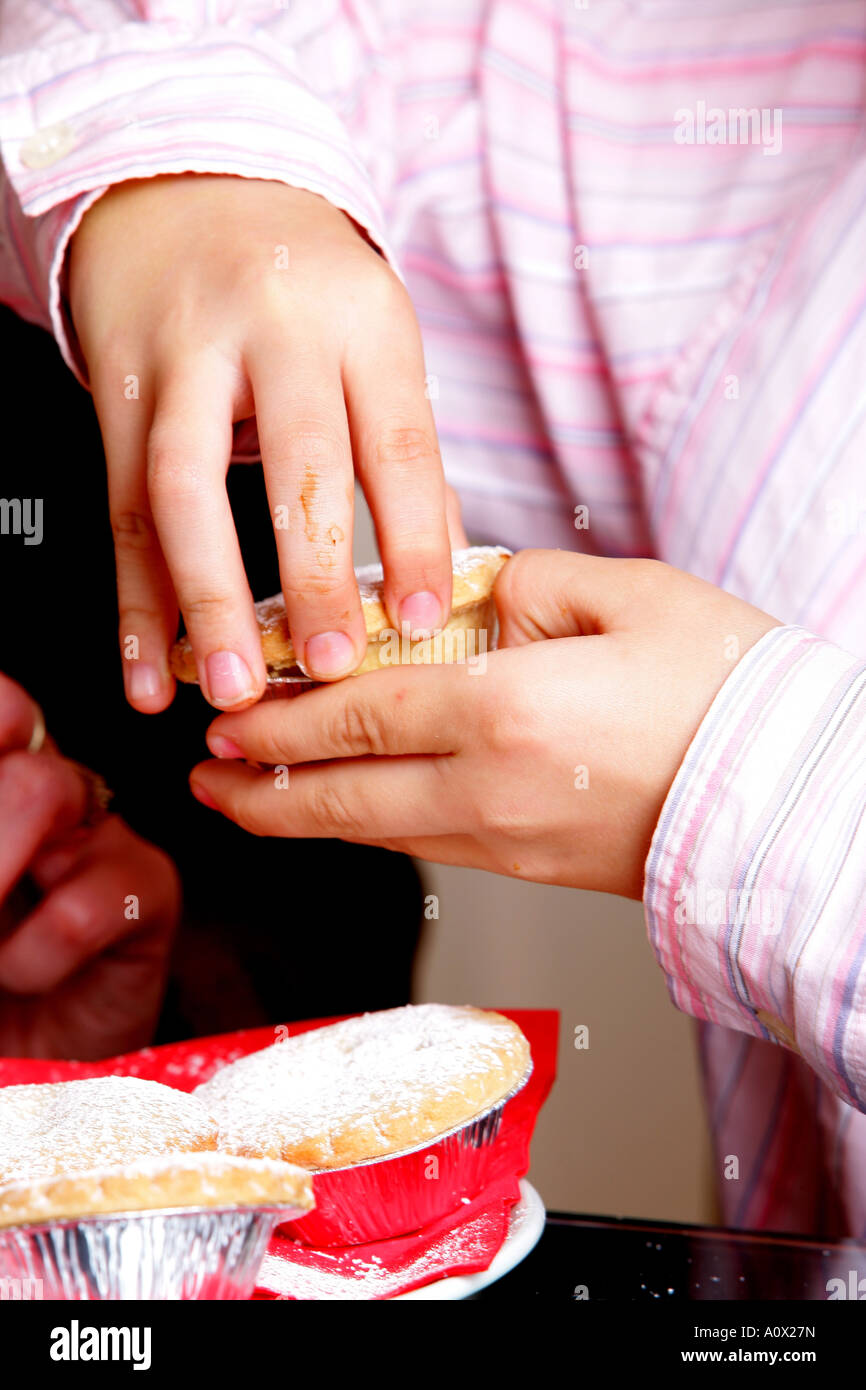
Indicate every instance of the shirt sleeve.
{"type": "Point", "coordinates": [755, 887]}
{"type": "Point", "coordinates": [101, 91]}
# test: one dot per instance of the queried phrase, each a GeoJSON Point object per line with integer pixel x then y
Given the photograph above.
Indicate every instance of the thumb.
{"type": "Point", "coordinates": [557, 593]}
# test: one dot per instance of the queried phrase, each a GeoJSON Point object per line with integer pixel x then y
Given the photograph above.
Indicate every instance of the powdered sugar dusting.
{"type": "Point", "coordinates": [370, 1077]}
{"type": "Point", "coordinates": [463, 562]}
{"type": "Point", "coordinates": [290, 1271]}
{"type": "Point", "coordinates": [52, 1129]}
{"type": "Point", "coordinates": [206, 1166]}
{"type": "Point", "coordinates": [357, 1279]}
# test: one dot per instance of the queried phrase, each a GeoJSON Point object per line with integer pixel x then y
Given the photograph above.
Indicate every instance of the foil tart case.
{"type": "Point", "coordinates": [188, 1064]}
{"type": "Point", "coordinates": [286, 687]}
{"type": "Point", "coordinates": [384, 1197]}
{"type": "Point", "coordinates": [182, 1253]}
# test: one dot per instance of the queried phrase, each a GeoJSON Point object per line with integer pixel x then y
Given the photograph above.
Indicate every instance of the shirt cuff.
{"type": "Point", "coordinates": [166, 103]}
{"type": "Point", "coordinates": [755, 888]}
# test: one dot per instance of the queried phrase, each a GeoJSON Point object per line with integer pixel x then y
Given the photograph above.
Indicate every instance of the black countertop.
{"type": "Point", "coordinates": [601, 1258]}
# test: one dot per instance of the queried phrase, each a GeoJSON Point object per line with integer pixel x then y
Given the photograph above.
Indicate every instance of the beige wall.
{"type": "Point", "coordinates": [623, 1132]}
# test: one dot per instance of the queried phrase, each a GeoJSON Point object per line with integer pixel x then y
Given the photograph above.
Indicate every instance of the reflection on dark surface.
{"type": "Point", "coordinates": [605, 1259]}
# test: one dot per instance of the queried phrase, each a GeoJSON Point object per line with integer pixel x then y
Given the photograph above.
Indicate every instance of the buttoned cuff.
{"type": "Point", "coordinates": [166, 101]}
{"type": "Point", "coordinates": [755, 881]}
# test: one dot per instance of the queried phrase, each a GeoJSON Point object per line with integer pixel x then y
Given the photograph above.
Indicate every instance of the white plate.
{"type": "Point", "coordinates": [524, 1233]}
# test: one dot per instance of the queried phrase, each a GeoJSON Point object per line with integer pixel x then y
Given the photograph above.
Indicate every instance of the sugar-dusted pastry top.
{"type": "Point", "coordinates": [474, 574]}
{"type": "Point", "coordinates": [66, 1126]}
{"type": "Point", "coordinates": [368, 1086]}
{"type": "Point", "coordinates": [152, 1184]}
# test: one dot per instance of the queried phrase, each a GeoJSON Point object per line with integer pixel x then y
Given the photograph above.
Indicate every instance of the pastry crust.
{"type": "Point", "coordinates": [68, 1126]}
{"type": "Point", "coordinates": [155, 1184]}
{"type": "Point", "coordinates": [367, 1087]}
{"type": "Point", "coordinates": [472, 613]}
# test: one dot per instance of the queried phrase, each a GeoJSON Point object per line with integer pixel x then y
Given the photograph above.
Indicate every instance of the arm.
{"type": "Point", "coordinates": [202, 302]}
{"type": "Point", "coordinates": [755, 887]}
{"type": "Point", "coordinates": [133, 88]}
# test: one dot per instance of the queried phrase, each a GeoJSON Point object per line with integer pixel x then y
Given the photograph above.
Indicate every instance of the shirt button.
{"type": "Point", "coordinates": [46, 146]}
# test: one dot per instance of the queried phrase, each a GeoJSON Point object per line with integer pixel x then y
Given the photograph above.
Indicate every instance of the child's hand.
{"type": "Point", "coordinates": [201, 300]}
{"type": "Point", "coordinates": [552, 764]}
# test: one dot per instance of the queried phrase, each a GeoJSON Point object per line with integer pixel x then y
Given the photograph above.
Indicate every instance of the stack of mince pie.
{"type": "Point", "coordinates": [108, 1185]}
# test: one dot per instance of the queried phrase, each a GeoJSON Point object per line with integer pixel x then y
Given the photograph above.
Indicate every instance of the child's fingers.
{"type": "Point", "coordinates": [188, 452]}
{"type": "Point", "coordinates": [397, 460]}
{"type": "Point", "coordinates": [147, 608]}
{"type": "Point", "coordinates": [307, 461]}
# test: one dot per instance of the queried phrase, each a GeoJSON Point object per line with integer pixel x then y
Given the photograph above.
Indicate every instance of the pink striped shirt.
{"type": "Point", "coordinates": [638, 298]}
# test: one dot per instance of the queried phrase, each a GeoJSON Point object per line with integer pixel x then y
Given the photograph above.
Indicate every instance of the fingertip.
{"type": "Point", "coordinates": [328, 656]}
{"type": "Point", "coordinates": [201, 793]}
{"type": "Point", "coordinates": [424, 612]}
{"type": "Point", "coordinates": [149, 689]}
{"type": "Point", "coordinates": [238, 706]}
{"type": "Point", "coordinates": [229, 682]}
{"type": "Point", "coordinates": [154, 701]}
{"type": "Point", "coordinates": [418, 587]}
{"type": "Point", "coordinates": [223, 747]}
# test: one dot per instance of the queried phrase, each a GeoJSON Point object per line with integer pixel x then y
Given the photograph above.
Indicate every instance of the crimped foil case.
{"type": "Point", "coordinates": [403, 1192]}
{"type": "Point", "coordinates": [285, 687]}
{"type": "Point", "coordinates": [466, 644]}
{"type": "Point", "coordinates": [182, 1253]}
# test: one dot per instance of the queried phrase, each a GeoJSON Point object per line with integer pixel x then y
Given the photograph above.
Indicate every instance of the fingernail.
{"type": "Point", "coordinates": [329, 654]}
{"type": "Point", "coordinates": [144, 681]}
{"type": "Point", "coordinates": [228, 679]}
{"type": "Point", "coordinates": [223, 747]}
{"type": "Point", "coordinates": [201, 795]}
{"type": "Point", "coordinates": [423, 613]}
